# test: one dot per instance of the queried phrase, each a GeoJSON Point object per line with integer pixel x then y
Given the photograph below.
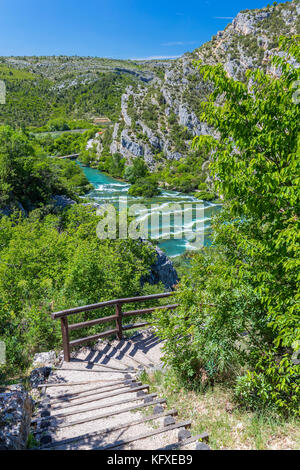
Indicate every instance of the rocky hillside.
{"type": "Point", "coordinates": [70, 71]}
{"type": "Point", "coordinates": [153, 105]}
{"type": "Point", "coordinates": [159, 119]}
{"type": "Point", "coordinates": [43, 88]}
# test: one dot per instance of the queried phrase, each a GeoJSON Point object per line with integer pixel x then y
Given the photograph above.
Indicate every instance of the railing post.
{"type": "Point", "coordinates": [119, 321]}
{"type": "Point", "coordinates": [65, 338]}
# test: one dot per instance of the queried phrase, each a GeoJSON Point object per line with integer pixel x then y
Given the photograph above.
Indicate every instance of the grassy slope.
{"type": "Point", "coordinates": [229, 426]}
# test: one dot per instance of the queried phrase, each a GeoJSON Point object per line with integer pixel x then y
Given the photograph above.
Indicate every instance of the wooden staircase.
{"type": "Point", "coordinates": [97, 401]}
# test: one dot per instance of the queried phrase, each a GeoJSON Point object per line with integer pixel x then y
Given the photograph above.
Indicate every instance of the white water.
{"type": "Point", "coordinates": [193, 219]}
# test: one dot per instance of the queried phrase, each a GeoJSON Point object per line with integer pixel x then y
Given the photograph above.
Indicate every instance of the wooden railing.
{"type": "Point", "coordinates": [117, 317]}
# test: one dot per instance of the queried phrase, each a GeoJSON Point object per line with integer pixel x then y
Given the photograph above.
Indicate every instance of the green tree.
{"type": "Point", "coordinates": [146, 187]}
{"type": "Point", "coordinates": [59, 262]}
{"type": "Point", "coordinates": [240, 308]}
{"type": "Point", "coordinates": [30, 178]}
{"type": "Point", "coordinates": [137, 170]}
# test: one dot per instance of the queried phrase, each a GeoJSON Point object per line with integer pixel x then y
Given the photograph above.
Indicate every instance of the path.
{"type": "Point", "coordinates": [96, 401]}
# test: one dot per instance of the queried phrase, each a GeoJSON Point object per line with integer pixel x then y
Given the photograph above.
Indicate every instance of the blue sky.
{"type": "Point", "coordinates": [125, 29]}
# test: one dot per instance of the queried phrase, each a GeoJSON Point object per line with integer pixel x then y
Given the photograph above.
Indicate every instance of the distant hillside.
{"type": "Point", "coordinates": [154, 105]}
{"type": "Point", "coordinates": [158, 120]}
{"type": "Point", "coordinates": [41, 88]}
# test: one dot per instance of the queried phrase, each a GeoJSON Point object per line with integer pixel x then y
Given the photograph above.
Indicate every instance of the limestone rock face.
{"type": "Point", "coordinates": [15, 415]}
{"type": "Point", "coordinates": [244, 23]}
{"type": "Point", "coordinates": [39, 375]}
{"type": "Point", "coordinates": [162, 271]}
{"type": "Point", "coordinates": [45, 358]}
{"type": "Point", "coordinates": [43, 363]}
{"type": "Point", "coordinates": [62, 202]}
{"type": "Point", "coordinates": [127, 143]}
{"type": "Point", "coordinates": [124, 101]}
{"type": "Point", "coordinates": [151, 113]}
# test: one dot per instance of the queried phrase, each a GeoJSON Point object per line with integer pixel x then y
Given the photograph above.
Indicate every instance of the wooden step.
{"type": "Point", "coordinates": [95, 371]}
{"type": "Point", "coordinates": [97, 398]}
{"type": "Point", "coordinates": [97, 364]}
{"type": "Point", "coordinates": [108, 430]}
{"type": "Point", "coordinates": [146, 435]}
{"type": "Point", "coordinates": [158, 401]}
{"type": "Point", "coordinates": [86, 410]}
{"type": "Point", "coordinates": [85, 382]}
{"type": "Point", "coordinates": [178, 445]}
{"type": "Point", "coordinates": [85, 393]}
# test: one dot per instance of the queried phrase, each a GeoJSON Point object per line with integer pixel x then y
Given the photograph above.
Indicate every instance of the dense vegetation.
{"type": "Point", "coordinates": [29, 178]}
{"type": "Point", "coordinates": [65, 143]}
{"type": "Point", "coordinates": [142, 182]}
{"type": "Point", "coordinates": [188, 174]}
{"type": "Point", "coordinates": [238, 318]}
{"type": "Point", "coordinates": [57, 262]}
{"type": "Point", "coordinates": [33, 99]}
{"type": "Point", "coordinates": [50, 258]}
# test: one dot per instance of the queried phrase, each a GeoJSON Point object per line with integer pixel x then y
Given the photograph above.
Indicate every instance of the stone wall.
{"type": "Point", "coordinates": [16, 408]}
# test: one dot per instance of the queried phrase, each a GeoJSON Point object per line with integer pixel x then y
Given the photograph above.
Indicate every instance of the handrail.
{"type": "Point", "coordinates": [86, 308]}
{"type": "Point", "coordinates": [65, 328]}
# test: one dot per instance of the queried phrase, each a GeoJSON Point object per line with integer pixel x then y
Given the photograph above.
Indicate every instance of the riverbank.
{"type": "Point", "coordinates": [171, 218]}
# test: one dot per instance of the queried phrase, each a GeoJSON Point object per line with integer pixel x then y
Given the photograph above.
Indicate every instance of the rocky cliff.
{"type": "Point", "coordinates": [158, 120]}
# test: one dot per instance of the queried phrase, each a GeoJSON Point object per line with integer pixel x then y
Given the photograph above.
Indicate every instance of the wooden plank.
{"type": "Point", "coordinates": [108, 430]}
{"type": "Point", "coordinates": [65, 338]}
{"type": "Point", "coordinates": [119, 321]}
{"type": "Point", "coordinates": [121, 353]}
{"type": "Point", "coordinates": [178, 445]}
{"type": "Point", "coordinates": [85, 382]}
{"type": "Point", "coordinates": [132, 358]}
{"type": "Point", "coordinates": [85, 324]}
{"type": "Point", "coordinates": [96, 397]}
{"type": "Point", "coordinates": [145, 435]}
{"type": "Point", "coordinates": [85, 410]}
{"type": "Point", "coordinates": [111, 358]}
{"type": "Point", "coordinates": [111, 371]}
{"type": "Point", "coordinates": [90, 363]}
{"type": "Point", "coordinates": [72, 396]}
{"type": "Point", "coordinates": [86, 308]}
{"type": "Point", "coordinates": [92, 338]}
{"type": "Point", "coordinates": [158, 401]}
{"type": "Point", "coordinates": [149, 310]}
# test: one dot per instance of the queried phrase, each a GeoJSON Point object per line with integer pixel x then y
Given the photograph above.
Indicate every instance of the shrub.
{"type": "Point", "coordinates": [58, 262]}
{"type": "Point", "coordinates": [239, 307]}
{"type": "Point", "coordinates": [146, 187]}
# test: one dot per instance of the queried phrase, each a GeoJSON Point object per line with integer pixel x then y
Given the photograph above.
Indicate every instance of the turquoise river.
{"type": "Point", "coordinates": [189, 219]}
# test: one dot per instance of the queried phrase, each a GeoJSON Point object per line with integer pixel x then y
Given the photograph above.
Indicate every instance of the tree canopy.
{"type": "Point", "coordinates": [248, 282]}
{"type": "Point", "coordinates": [29, 177]}
{"type": "Point", "coordinates": [57, 262]}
